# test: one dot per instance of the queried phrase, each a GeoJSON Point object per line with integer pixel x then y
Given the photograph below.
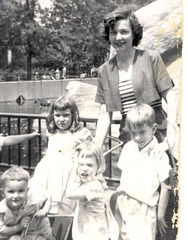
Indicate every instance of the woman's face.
{"type": "Point", "coordinates": [63, 119]}
{"type": "Point", "coordinates": [121, 35]}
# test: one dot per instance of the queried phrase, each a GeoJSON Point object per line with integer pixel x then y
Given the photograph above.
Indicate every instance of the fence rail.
{"type": "Point", "coordinates": [29, 153]}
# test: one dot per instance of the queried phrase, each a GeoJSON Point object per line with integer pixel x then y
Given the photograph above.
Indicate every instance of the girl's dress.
{"type": "Point", "coordinates": [53, 171]}
{"type": "Point", "coordinates": [93, 218]}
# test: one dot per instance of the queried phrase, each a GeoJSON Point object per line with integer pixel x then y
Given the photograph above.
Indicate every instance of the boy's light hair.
{"type": "Point", "coordinates": [139, 115]}
{"type": "Point", "coordinates": [15, 173]}
{"type": "Point", "coordinates": [90, 149]}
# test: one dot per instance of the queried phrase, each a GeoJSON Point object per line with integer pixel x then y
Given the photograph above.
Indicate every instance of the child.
{"type": "Point", "coordinates": [53, 171]}
{"type": "Point", "coordinates": [21, 215]}
{"type": "Point", "coordinates": [15, 139]}
{"type": "Point", "coordinates": [92, 218]}
{"type": "Point", "coordinates": [142, 174]}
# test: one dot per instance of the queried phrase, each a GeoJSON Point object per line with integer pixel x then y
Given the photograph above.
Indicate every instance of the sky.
{"type": "Point", "coordinates": [45, 3]}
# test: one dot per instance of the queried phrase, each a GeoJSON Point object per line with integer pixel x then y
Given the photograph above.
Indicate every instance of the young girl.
{"type": "Point", "coordinates": [92, 217]}
{"type": "Point", "coordinates": [53, 171]}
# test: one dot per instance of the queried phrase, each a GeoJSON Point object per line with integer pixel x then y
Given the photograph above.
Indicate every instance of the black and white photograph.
{"type": "Point", "coordinates": [92, 120]}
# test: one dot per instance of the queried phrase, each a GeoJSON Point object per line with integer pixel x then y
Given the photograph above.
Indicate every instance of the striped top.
{"type": "Point", "coordinates": [128, 98]}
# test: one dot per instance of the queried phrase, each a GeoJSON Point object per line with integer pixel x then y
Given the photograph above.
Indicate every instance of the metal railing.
{"type": "Point", "coordinates": [29, 153]}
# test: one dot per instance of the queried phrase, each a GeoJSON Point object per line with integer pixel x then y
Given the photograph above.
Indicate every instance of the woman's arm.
{"type": "Point", "coordinates": [172, 110]}
{"type": "Point", "coordinates": [103, 125]}
{"type": "Point", "coordinates": [163, 202]}
{"type": "Point", "coordinates": [170, 99]}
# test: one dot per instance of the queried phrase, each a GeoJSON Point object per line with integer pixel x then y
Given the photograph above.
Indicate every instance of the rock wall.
{"type": "Point", "coordinates": [162, 28]}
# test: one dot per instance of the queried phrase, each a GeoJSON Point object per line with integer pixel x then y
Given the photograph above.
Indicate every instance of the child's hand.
{"type": "Point", "coordinates": [41, 213]}
{"type": "Point", "coordinates": [25, 221]}
{"type": "Point", "coordinates": [44, 207]}
{"type": "Point", "coordinates": [42, 203]}
{"type": "Point", "coordinates": [34, 134]}
{"type": "Point", "coordinates": [161, 225]}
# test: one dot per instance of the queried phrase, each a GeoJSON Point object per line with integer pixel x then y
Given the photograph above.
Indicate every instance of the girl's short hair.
{"type": "Point", "coordinates": [90, 149]}
{"type": "Point", "coordinates": [63, 103]}
{"type": "Point", "coordinates": [120, 13]}
{"type": "Point", "coordinates": [139, 115]}
{"type": "Point", "coordinates": [15, 173]}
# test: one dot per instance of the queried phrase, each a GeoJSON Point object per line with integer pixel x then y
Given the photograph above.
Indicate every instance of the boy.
{"type": "Point", "coordinates": [142, 174]}
{"type": "Point", "coordinates": [22, 214]}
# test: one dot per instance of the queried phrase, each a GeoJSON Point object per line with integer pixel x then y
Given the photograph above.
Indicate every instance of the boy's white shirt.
{"type": "Point", "coordinates": [141, 173]}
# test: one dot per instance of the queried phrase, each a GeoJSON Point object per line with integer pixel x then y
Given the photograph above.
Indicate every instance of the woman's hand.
{"type": "Point", "coordinates": [161, 226]}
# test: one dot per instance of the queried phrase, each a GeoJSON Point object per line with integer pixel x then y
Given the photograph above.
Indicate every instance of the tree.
{"type": "Point", "coordinates": [76, 22]}
{"type": "Point", "coordinates": [66, 34]}
{"type": "Point", "coordinates": [21, 29]}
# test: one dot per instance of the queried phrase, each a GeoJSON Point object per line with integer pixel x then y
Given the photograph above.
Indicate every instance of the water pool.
{"type": "Point", "coordinates": [33, 106]}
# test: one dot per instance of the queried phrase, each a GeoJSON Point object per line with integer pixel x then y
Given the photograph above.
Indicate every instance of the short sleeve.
{"type": "Point", "coordinates": [162, 77]}
{"type": "Point", "coordinates": [94, 190]}
{"type": "Point", "coordinates": [48, 134]}
{"type": "Point", "coordinates": [1, 142]}
{"type": "Point", "coordinates": [2, 225]}
{"type": "Point", "coordinates": [126, 151]}
{"type": "Point", "coordinates": [2, 212]}
{"type": "Point", "coordinates": [121, 159]}
{"type": "Point", "coordinates": [99, 97]}
{"type": "Point", "coordinates": [163, 168]}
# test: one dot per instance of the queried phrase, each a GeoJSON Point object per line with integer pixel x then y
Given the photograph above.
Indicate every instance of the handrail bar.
{"type": "Point", "coordinates": [24, 115]}
{"type": "Point", "coordinates": [45, 115]}
{"type": "Point", "coordinates": [26, 158]}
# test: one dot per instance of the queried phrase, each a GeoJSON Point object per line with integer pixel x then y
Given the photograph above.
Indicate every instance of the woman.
{"type": "Point", "coordinates": [133, 76]}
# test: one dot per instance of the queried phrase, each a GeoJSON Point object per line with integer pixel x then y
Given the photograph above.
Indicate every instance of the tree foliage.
{"type": "Point", "coordinates": [75, 25]}
{"type": "Point", "coordinates": [66, 34]}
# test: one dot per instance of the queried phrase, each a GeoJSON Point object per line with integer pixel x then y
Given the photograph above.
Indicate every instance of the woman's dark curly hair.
{"type": "Point", "coordinates": [63, 103]}
{"type": "Point", "coordinates": [124, 12]}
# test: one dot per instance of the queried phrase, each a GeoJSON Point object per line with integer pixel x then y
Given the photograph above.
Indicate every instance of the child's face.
{"type": "Point", "coordinates": [63, 119]}
{"type": "Point", "coordinates": [15, 193]}
{"type": "Point", "coordinates": [87, 168]}
{"type": "Point", "coordinates": [143, 135]}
